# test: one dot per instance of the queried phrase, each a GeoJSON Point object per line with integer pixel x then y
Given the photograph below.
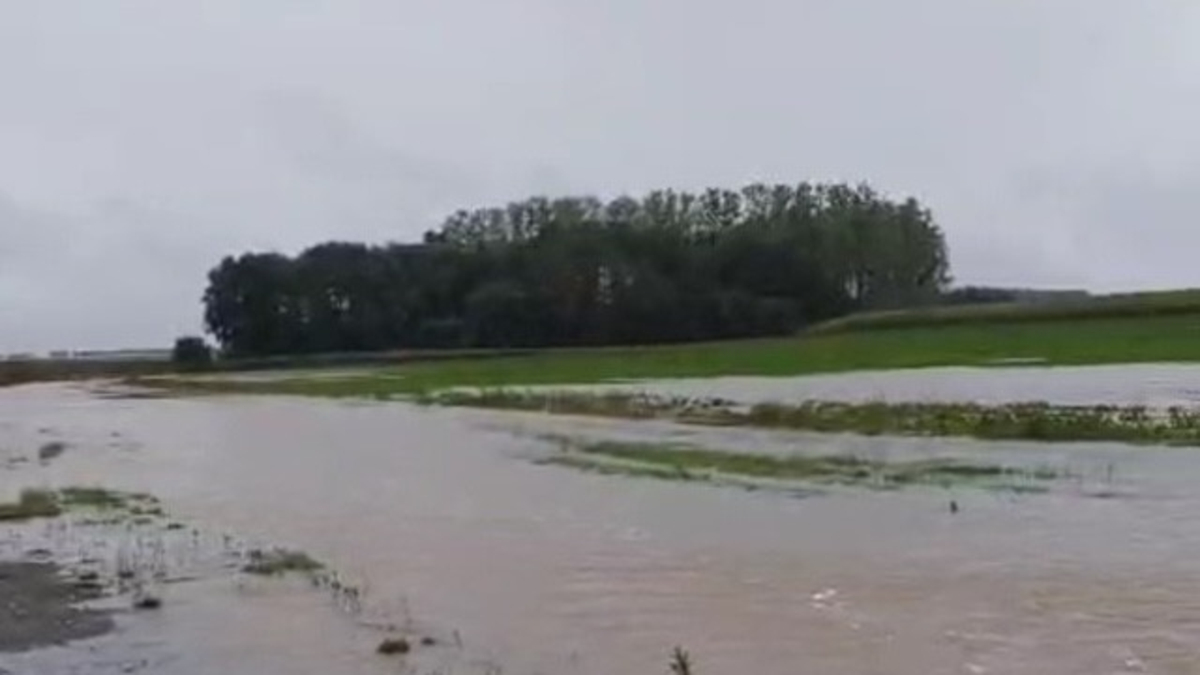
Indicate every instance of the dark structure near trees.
{"type": "Point", "coordinates": [191, 352]}
{"type": "Point", "coordinates": [672, 266]}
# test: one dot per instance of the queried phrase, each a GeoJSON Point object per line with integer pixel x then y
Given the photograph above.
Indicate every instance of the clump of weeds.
{"type": "Point", "coordinates": [146, 601]}
{"type": "Point", "coordinates": [31, 504]}
{"type": "Point", "coordinates": [681, 662]}
{"type": "Point", "coordinates": [279, 561]}
{"type": "Point", "coordinates": [93, 498]}
{"type": "Point", "coordinates": [50, 451]}
{"type": "Point", "coordinates": [394, 647]}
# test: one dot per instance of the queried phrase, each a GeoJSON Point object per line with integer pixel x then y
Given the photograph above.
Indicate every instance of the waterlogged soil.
{"type": "Point", "coordinates": [98, 591]}
{"type": "Point", "coordinates": [449, 525]}
{"type": "Point", "coordinates": [114, 584]}
{"type": "Point", "coordinates": [39, 607]}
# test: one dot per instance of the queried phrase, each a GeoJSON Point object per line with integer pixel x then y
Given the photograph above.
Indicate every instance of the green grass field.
{"type": "Point", "coordinates": [1128, 339]}
{"type": "Point", "coordinates": [1129, 306]}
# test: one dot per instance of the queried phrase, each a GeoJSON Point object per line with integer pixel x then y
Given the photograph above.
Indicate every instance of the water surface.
{"type": "Point", "coordinates": [1154, 384]}
{"type": "Point", "coordinates": [445, 521]}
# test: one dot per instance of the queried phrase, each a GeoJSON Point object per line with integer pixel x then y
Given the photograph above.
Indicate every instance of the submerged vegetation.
{"type": "Point", "coordinates": [40, 503]}
{"type": "Point", "coordinates": [681, 662]}
{"type": "Point", "coordinates": [393, 647]}
{"type": "Point", "coordinates": [51, 451]}
{"type": "Point", "coordinates": [1036, 421]}
{"type": "Point", "coordinates": [1018, 421]}
{"type": "Point", "coordinates": [280, 561]}
{"type": "Point", "coordinates": [93, 497]}
{"type": "Point", "coordinates": [682, 462]}
{"type": "Point", "coordinates": [31, 504]}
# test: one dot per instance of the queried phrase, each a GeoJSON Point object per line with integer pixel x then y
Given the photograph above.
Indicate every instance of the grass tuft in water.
{"type": "Point", "coordinates": [394, 647]}
{"type": "Point", "coordinates": [280, 561]}
{"type": "Point", "coordinates": [681, 662]}
{"type": "Point", "coordinates": [31, 504]}
{"type": "Point", "coordinates": [51, 450]}
{"type": "Point", "coordinates": [146, 602]}
{"type": "Point", "coordinates": [93, 497]}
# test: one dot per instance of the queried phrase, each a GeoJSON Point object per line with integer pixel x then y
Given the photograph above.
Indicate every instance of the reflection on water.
{"type": "Point", "coordinates": [444, 521]}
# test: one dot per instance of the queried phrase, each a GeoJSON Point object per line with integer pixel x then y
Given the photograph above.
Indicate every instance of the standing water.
{"type": "Point", "coordinates": [443, 520]}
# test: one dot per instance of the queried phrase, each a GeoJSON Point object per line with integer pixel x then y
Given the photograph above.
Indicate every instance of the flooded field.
{"type": "Point", "coordinates": [452, 529]}
{"type": "Point", "coordinates": [1154, 385]}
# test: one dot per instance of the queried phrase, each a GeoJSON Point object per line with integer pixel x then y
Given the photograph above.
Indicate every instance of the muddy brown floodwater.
{"type": "Point", "coordinates": [445, 523]}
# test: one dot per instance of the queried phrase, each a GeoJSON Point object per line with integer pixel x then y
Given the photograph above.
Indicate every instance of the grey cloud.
{"type": "Point", "coordinates": [100, 278]}
{"type": "Point", "coordinates": [323, 145]}
{"type": "Point", "coordinates": [1133, 225]}
{"type": "Point", "coordinates": [141, 140]}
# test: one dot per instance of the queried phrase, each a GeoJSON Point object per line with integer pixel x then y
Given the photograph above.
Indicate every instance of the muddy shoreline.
{"type": "Point", "coordinates": [40, 607]}
{"type": "Point", "coordinates": [111, 583]}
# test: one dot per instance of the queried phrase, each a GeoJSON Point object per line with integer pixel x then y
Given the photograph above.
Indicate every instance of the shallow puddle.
{"type": "Point", "coordinates": [445, 523]}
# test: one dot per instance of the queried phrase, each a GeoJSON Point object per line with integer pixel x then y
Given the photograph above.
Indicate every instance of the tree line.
{"type": "Point", "coordinates": [671, 266]}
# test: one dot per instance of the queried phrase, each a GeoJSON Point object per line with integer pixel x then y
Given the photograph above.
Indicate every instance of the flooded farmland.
{"type": "Point", "coordinates": [451, 529]}
{"type": "Point", "coordinates": [1154, 385]}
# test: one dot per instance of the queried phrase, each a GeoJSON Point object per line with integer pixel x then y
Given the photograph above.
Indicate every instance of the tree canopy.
{"type": "Point", "coordinates": [672, 266]}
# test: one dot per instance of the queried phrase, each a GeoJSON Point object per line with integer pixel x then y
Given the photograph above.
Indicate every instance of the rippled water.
{"type": "Point", "coordinates": [542, 569]}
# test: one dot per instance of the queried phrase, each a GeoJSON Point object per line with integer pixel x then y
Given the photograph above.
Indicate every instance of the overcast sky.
{"type": "Point", "coordinates": [141, 140]}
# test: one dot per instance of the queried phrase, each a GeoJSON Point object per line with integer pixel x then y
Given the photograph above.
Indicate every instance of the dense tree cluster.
{"type": "Point", "coordinates": [672, 266]}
